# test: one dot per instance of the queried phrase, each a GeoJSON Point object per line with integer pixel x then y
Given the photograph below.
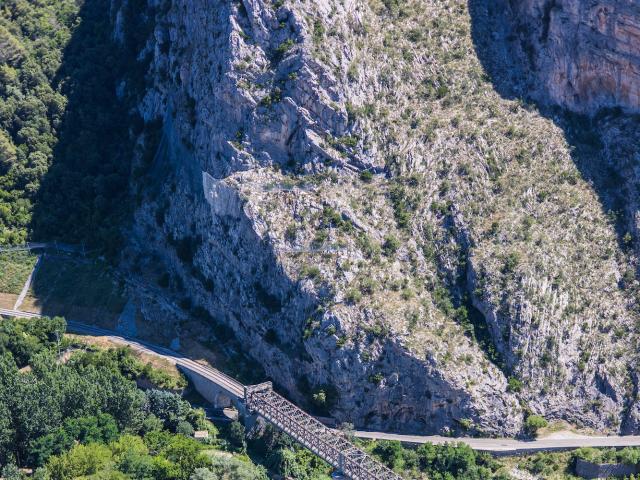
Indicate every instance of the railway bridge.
{"type": "Point", "coordinates": [262, 401]}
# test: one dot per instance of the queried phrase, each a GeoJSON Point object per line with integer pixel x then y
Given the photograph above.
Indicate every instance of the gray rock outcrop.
{"type": "Point", "coordinates": [480, 254]}
{"type": "Point", "coordinates": [584, 55]}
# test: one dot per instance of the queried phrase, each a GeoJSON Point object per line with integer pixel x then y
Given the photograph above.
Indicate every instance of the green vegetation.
{"type": "Point", "coordinates": [460, 462]}
{"type": "Point", "coordinates": [310, 271]}
{"type": "Point", "coordinates": [514, 385]}
{"type": "Point", "coordinates": [366, 176]}
{"type": "Point", "coordinates": [91, 167]}
{"type": "Point", "coordinates": [628, 455]}
{"type": "Point", "coordinates": [548, 465]}
{"type": "Point", "coordinates": [159, 455]}
{"type": "Point", "coordinates": [330, 218]}
{"type": "Point", "coordinates": [89, 400]}
{"type": "Point", "coordinates": [21, 341]}
{"type": "Point", "coordinates": [560, 465]}
{"type": "Point", "coordinates": [123, 360]}
{"type": "Point", "coordinates": [282, 456]}
{"type": "Point", "coordinates": [64, 281]}
{"type": "Point", "coordinates": [437, 462]}
{"type": "Point", "coordinates": [533, 423]}
{"type": "Point", "coordinates": [32, 37]}
{"type": "Point", "coordinates": [63, 167]}
{"type": "Point", "coordinates": [390, 245]}
{"type": "Point", "coordinates": [283, 48]}
{"type": "Point", "coordinates": [404, 201]}
{"type": "Point", "coordinates": [15, 267]}
{"type": "Point", "coordinates": [85, 416]}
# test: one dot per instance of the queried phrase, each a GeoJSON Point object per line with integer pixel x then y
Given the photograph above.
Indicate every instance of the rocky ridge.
{"type": "Point", "coordinates": [341, 184]}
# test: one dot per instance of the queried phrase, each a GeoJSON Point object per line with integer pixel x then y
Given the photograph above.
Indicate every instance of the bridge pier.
{"type": "Point", "coordinates": [250, 421]}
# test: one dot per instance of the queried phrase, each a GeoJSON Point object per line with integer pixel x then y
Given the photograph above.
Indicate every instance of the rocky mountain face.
{"type": "Point", "coordinates": [347, 187]}
{"type": "Point", "coordinates": [584, 54]}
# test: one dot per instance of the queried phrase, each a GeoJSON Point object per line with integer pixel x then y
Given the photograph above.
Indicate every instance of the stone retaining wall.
{"type": "Point", "coordinates": [587, 469]}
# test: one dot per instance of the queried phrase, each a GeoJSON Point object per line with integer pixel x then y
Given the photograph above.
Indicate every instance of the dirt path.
{"type": "Point", "coordinates": [27, 284]}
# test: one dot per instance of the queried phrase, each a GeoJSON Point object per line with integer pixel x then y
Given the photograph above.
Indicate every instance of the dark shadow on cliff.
{"type": "Point", "coordinates": [605, 146]}
{"type": "Point", "coordinates": [509, 58]}
{"type": "Point", "coordinates": [84, 197]}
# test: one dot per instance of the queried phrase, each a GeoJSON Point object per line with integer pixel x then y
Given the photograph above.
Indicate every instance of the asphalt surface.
{"type": "Point", "coordinates": [512, 446]}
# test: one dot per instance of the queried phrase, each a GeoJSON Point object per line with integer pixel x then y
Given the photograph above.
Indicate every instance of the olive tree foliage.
{"type": "Point", "coordinates": [38, 402]}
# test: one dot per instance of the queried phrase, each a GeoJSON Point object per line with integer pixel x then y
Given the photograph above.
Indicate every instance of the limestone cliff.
{"type": "Point", "coordinates": [341, 184]}
{"type": "Point", "coordinates": [582, 54]}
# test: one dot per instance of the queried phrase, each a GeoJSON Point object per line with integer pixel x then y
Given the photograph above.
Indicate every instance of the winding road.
{"type": "Point", "coordinates": [497, 446]}
{"type": "Point", "coordinates": [230, 385]}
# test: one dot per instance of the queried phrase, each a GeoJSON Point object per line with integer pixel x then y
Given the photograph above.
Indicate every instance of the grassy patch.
{"type": "Point", "coordinates": [88, 284]}
{"type": "Point", "coordinates": [15, 267]}
{"type": "Point", "coordinates": [160, 372]}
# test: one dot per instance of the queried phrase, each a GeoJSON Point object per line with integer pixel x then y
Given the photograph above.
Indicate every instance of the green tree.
{"type": "Point", "coordinates": [168, 407]}
{"type": "Point", "coordinates": [81, 460]}
{"type": "Point", "coordinates": [390, 245]}
{"type": "Point", "coordinates": [630, 456]}
{"type": "Point", "coordinates": [514, 385]}
{"type": "Point", "coordinates": [287, 465]}
{"type": "Point", "coordinates": [184, 428]}
{"type": "Point", "coordinates": [391, 453]}
{"type": "Point", "coordinates": [11, 472]}
{"type": "Point", "coordinates": [203, 474]}
{"type": "Point", "coordinates": [237, 436]}
{"type": "Point", "coordinates": [533, 423]}
{"type": "Point", "coordinates": [186, 454]}
{"type": "Point", "coordinates": [151, 424]}
{"type": "Point", "coordinates": [234, 468]}
{"type": "Point", "coordinates": [7, 433]}
{"type": "Point", "coordinates": [132, 457]}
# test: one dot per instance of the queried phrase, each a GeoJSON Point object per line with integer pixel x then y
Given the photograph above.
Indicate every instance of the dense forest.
{"type": "Point", "coordinates": [85, 416]}
{"type": "Point", "coordinates": [32, 39]}
{"type": "Point", "coordinates": [64, 138]}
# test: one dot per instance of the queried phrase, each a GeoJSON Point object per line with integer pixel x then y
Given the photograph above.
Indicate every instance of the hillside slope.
{"type": "Point", "coordinates": [344, 185]}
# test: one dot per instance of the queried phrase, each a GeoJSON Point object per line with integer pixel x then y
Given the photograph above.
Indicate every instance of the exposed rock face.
{"type": "Point", "coordinates": [584, 54]}
{"type": "Point", "coordinates": [480, 254]}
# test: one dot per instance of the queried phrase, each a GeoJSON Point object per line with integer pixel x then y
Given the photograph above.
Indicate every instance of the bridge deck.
{"type": "Point", "coordinates": [328, 444]}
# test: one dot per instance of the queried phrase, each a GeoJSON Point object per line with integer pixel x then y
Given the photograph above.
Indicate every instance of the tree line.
{"type": "Point", "coordinates": [66, 131]}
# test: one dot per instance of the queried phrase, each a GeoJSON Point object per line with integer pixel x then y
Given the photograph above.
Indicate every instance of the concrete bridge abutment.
{"type": "Point", "coordinates": [210, 391]}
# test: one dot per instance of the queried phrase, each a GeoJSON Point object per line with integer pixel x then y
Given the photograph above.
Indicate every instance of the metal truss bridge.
{"type": "Point", "coordinates": [328, 444]}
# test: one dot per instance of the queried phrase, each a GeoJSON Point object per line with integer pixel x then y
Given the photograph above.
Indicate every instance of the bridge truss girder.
{"type": "Point", "coordinates": [328, 444]}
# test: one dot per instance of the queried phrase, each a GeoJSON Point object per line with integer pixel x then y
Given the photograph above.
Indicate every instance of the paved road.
{"type": "Point", "coordinates": [494, 445]}
{"type": "Point", "coordinates": [15, 313]}
{"type": "Point", "coordinates": [27, 284]}
{"type": "Point", "coordinates": [26, 246]}
{"type": "Point", "coordinates": [60, 247]}
{"type": "Point", "coordinates": [511, 446]}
